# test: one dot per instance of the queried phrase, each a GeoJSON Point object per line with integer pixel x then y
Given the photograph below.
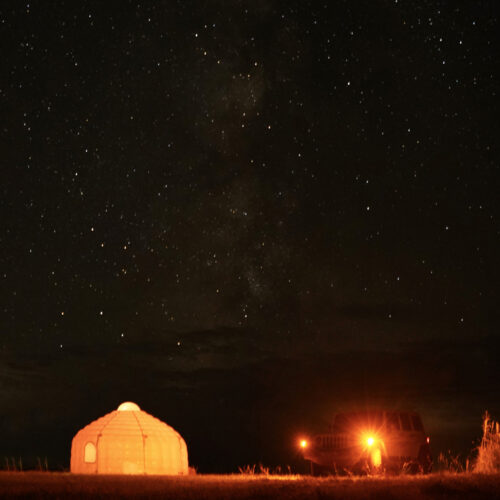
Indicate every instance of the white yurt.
{"type": "Point", "coordinates": [128, 441]}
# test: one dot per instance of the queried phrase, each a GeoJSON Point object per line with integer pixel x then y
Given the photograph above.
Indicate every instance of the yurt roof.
{"type": "Point", "coordinates": [128, 417]}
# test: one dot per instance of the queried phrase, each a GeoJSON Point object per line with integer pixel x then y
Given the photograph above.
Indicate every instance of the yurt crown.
{"type": "Point", "coordinates": [128, 406]}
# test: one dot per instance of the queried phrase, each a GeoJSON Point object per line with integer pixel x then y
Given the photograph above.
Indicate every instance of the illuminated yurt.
{"type": "Point", "coordinates": [128, 441]}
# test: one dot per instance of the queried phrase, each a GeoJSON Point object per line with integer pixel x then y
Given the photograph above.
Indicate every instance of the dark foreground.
{"type": "Point", "coordinates": [63, 485]}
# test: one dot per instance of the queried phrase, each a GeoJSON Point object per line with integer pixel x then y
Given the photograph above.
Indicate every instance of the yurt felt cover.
{"type": "Point", "coordinates": [128, 441]}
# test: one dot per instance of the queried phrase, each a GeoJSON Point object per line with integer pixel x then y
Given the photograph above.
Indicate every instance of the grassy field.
{"type": "Point", "coordinates": [46, 485]}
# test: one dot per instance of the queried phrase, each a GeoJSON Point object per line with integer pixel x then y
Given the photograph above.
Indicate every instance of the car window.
{"type": "Point", "coordinates": [347, 422]}
{"type": "Point", "coordinates": [392, 421]}
{"type": "Point", "coordinates": [405, 421]}
{"type": "Point", "coordinates": [417, 423]}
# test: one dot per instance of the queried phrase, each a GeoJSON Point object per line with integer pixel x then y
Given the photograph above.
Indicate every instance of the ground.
{"type": "Point", "coordinates": [64, 485]}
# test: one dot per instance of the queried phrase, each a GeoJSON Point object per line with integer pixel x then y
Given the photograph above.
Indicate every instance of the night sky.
{"type": "Point", "coordinates": [246, 216]}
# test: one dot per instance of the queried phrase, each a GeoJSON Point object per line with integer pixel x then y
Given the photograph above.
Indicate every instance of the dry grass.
{"type": "Point", "coordinates": [488, 453]}
{"type": "Point", "coordinates": [251, 470]}
{"type": "Point", "coordinates": [450, 462]}
{"type": "Point", "coordinates": [64, 485]}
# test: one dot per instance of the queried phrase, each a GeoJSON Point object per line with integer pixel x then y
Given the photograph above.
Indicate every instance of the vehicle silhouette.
{"type": "Point", "coordinates": [370, 442]}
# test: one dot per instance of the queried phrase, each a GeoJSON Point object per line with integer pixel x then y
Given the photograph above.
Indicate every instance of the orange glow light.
{"type": "Point", "coordinates": [370, 441]}
{"type": "Point", "coordinates": [376, 458]}
{"type": "Point", "coordinates": [303, 443]}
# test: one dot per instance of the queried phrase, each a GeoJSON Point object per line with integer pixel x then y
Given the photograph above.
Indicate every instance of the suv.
{"type": "Point", "coordinates": [371, 442]}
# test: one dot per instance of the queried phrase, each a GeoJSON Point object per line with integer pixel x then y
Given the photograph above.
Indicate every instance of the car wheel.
{"type": "Point", "coordinates": [412, 468]}
{"type": "Point", "coordinates": [425, 459]}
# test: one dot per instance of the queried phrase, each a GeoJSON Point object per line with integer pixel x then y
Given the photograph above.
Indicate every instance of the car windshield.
{"type": "Point", "coordinates": [348, 422]}
{"type": "Point", "coordinates": [392, 421]}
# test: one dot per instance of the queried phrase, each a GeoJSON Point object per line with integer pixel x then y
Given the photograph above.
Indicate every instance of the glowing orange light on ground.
{"type": "Point", "coordinates": [303, 443]}
{"type": "Point", "coordinates": [376, 458]}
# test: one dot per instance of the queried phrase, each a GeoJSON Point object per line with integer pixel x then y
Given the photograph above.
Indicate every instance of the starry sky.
{"type": "Point", "coordinates": [246, 216]}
